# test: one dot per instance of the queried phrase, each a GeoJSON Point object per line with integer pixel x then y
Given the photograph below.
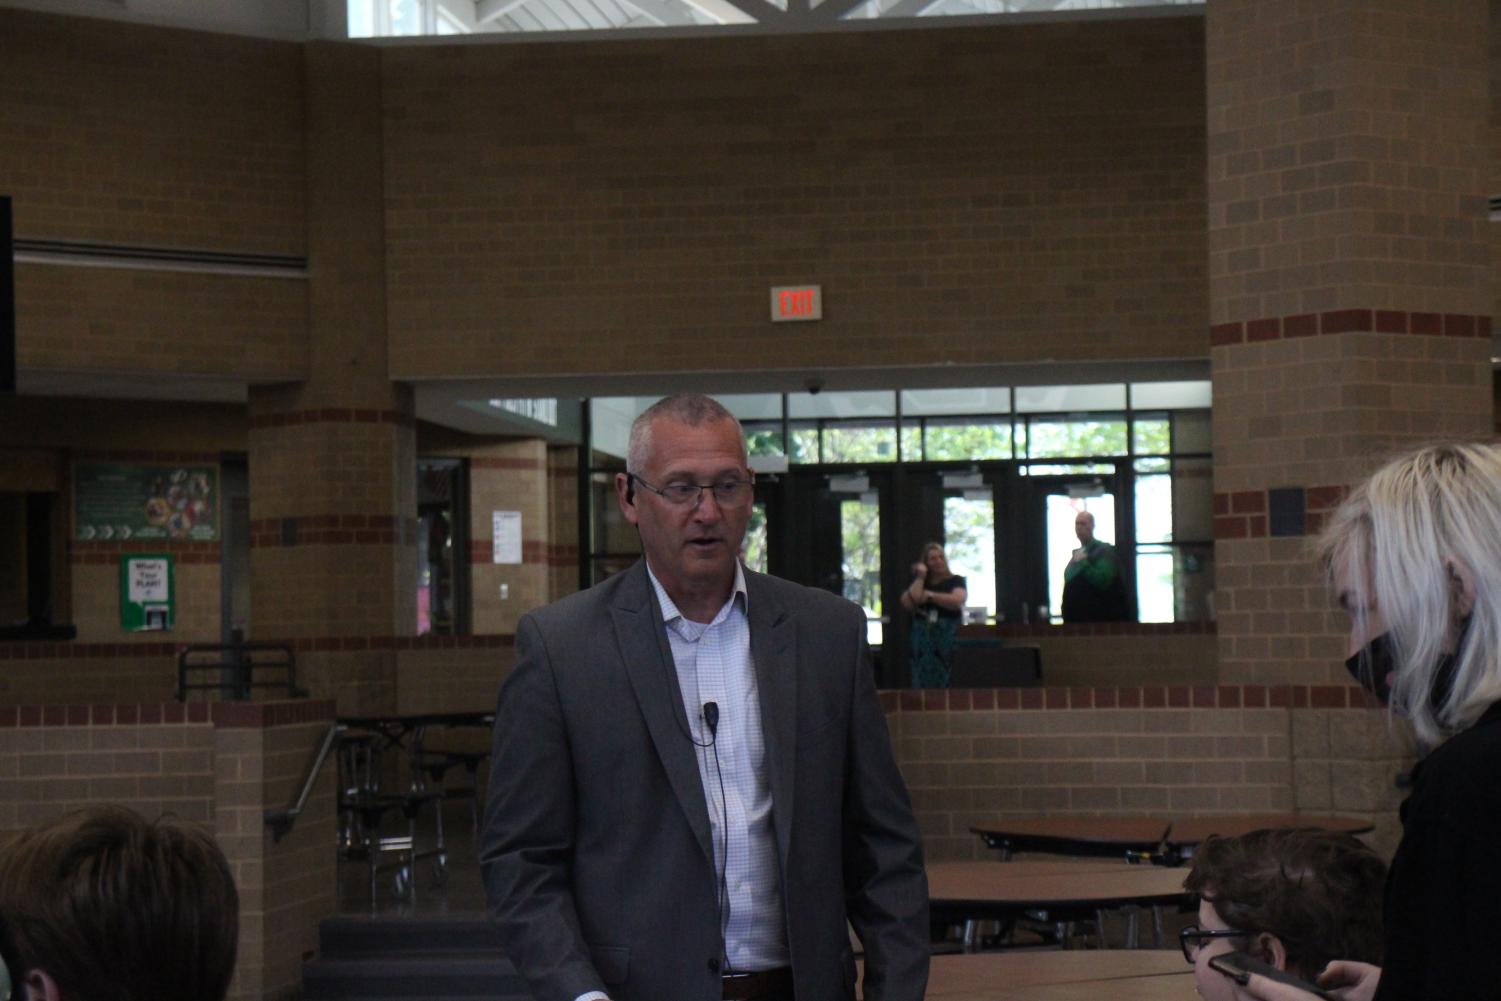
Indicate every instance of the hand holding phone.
{"type": "Point", "coordinates": [1239, 966]}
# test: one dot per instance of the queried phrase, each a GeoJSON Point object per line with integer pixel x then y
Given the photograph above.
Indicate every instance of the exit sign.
{"type": "Point", "coordinates": [796, 302]}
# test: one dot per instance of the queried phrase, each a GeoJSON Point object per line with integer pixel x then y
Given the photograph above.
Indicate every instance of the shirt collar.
{"type": "Point", "coordinates": [670, 610]}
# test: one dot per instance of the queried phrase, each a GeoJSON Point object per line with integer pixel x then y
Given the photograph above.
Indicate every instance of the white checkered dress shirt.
{"type": "Point", "coordinates": [714, 665]}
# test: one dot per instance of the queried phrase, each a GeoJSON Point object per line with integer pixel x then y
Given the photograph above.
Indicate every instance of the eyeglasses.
{"type": "Point", "coordinates": [727, 492]}
{"type": "Point", "coordinates": [1192, 938]}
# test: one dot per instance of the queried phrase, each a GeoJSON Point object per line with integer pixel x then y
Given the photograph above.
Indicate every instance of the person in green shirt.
{"type": "Point", "coordinates": [1093, 589]}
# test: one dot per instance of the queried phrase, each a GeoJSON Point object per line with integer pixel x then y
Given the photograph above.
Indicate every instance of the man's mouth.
{"type": "Point", "coordinates": [704, 543]}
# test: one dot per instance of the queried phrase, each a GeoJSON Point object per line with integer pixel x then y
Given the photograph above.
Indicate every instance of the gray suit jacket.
{"type": "Point", "coordinates": [596, 850]}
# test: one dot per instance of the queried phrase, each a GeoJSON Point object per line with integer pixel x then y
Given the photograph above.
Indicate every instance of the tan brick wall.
{"type": "Point", "coordinates": [968, 766]}
{"type": "Point", "coordinates": [1349, 283]}
{"type": "Point", "coordinates": [58, 674]}
{"type": "Point", "coordinates": [563, 533]}
{"type": "Point", "coordinates": [286, 888]}
{"type": "Point", "coordinates": [960, 199]}
{"type": "Point", "coordinates": [431, 681]}
{"type": "Point", "coordinates": [509, 477]}
{"type": "Point", "coordinates": [222, 768]}
{"type": "Point", "coordinates": [119, 133]}
{"type": "Point", "coordinates": [79, 319]}
{"type": "Point", "coordinates": [153, 769]}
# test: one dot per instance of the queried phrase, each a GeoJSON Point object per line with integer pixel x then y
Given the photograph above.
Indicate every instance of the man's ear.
{"type": "Point", "coordinates": [1269, 949]}
{"type": "Point", "coordinates": [625, 492]}
{"type": "Point", "coordinates": [39, 986]}
{"type": "Point", "coordinates": [1461, 586]}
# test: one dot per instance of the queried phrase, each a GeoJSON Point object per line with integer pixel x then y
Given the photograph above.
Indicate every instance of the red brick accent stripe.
{"type": "Point", "coordinates": [332, 415]}
{"type": "Point", "coordinates": [501, 462]}
{"type": "Point", "coordinates": [96, 553]}
{"type": "Point", "coordinates": [532, 551]}
{"type": "Point", "coordinates": [1020, 631]}
{"type": "Point", "coordinates": [305, 644]}
{"type": "Point", "coordinates": [1348, 321]}
{"type": "Point", "coordinates": [265, 715]}
{"type": "Point", "coordinates": [56, 651]}
{"type": "Point", "coordinates": [335, 530]}
{"type": "Point", "coordinates": [1130, 697]}
{"type": "Point", "coordinates": [232, 715]}
{"type": "Point", "coordinates": [1242, 514]}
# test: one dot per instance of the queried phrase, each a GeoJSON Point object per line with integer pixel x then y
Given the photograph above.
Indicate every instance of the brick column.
{"type": "Point", "coordinates": [1350, 288]}
{"type": "Point", "coordinates": [262, 752]}
{"type": "Point", "coordinates": [332, 459]}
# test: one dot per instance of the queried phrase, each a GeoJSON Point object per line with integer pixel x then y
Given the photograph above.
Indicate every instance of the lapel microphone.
{"type": "Point", "coordinates": [711, 717]}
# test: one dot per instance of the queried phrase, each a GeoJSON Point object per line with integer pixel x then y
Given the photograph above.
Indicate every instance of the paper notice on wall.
{"type": "Point", "coordinates": [506, 544]}
{"type": "Point", "coordinates": [148, 581]}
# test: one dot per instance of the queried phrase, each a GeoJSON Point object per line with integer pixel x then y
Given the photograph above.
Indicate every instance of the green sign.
{"type": "Point", "coordinates": [119, 503]}
{"type": "Point", "coordinates": [148, 592]}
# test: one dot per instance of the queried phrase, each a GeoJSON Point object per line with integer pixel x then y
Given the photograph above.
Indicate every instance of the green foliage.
{"type": "Point", "coordinates": [859, 444]}
{"type": "Point", "coordinates": [755, 539]}
{"type": "Point", "coordinates": [1052, 439]}
{"type": "Point", "coordinates": [860, 534]}
{"type": "Point", "coordinates": [763, 442]}
{"type": "Point", "coordinates": [968, 441]}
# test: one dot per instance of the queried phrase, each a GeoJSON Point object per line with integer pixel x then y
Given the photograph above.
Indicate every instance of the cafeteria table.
{"type": "Point", "coordinates": [1163, 839]}
{"type": "Point", "coordinates": [1129, 975]}
{"type": "Point", "coordinates": [965, 893]}
{"type": "Point", "coordinates": [363, 743]}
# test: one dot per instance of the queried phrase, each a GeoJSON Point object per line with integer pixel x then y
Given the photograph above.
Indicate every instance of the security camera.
{"type": "Point", "coordinates": [814, 386]}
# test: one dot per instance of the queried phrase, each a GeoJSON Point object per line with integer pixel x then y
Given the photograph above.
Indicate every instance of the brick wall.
{"type": "Point", "coordinates": [99, 319]}
{"type": "Point", "coordinates": [455, 677]}
{"type": "Point", "coordinates": [1349, 286]}
{"type": "Point", "coordinates": [981, 195]}
{"type": "Point", "coordinates": [222, 766]}
{"type": "Point", "coordinates": [119, 133]}
{"type": "Point", "coordinates": [970, 757]}
{"type": "Point", "coordinates": [563, 532]}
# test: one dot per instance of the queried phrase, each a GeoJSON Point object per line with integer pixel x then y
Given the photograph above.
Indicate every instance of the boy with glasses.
{"type": "Point", "coordinates": [1294, 898]}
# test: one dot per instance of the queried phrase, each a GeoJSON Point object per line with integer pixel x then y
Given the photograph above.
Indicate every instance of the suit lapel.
{"type": "Point", "coordinates": [648, 662]}
{"type": "Point", "coordinates": [774, 650]}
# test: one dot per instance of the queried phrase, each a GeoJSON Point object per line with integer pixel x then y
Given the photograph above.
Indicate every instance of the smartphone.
{"type": "Point", "coordinates": [1239, 966]}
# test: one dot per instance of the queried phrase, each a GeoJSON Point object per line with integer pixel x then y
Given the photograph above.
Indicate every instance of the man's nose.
{"type": "Point", "coordinates": [706, 508]}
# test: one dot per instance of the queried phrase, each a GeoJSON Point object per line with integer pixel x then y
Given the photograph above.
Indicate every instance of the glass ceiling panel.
{"type": "Point", "coordinates": [393, 18]}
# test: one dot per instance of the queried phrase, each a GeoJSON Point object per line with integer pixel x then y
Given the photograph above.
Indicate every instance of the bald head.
{"type": "Point", "coordinates": [1084, 527]}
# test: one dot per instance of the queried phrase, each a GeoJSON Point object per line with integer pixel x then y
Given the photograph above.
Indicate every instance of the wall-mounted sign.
{"type": "Point", "coordinates": [117, 503]}
{"type": "Point", "coordinates": [796, 302]}
{"type": "Point", "coordinates": [506, 540]}
{"type": "Point", "coordinates": [148, 592]}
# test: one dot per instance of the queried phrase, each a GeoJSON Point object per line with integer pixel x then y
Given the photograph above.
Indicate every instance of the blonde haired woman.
{"type": "Point", "coordinates": [1415, 557]}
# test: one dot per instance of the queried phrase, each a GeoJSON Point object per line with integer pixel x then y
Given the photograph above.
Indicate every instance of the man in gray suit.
{"type": "Point", "coordinates": [693, 788]}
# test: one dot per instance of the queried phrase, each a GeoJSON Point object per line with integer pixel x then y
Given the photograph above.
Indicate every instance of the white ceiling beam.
{"type": "Point", "coordinates": [492, 10]}
{"type": "Point", "coordinates": [736, 11]}
{"type": "Point", "coordinates": [664, 12]}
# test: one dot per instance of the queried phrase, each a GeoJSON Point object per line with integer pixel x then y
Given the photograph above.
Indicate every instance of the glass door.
{"type": "Point", "coordinates": [1056, 505]}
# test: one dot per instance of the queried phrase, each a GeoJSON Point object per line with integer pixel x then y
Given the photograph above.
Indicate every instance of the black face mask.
{"type": "Point", "coordinates": [1373, 667]}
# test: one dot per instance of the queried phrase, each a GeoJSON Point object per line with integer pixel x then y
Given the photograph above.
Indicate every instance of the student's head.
{"type": "Point", "coordinates": [1414, 554]}
{"type": "Point", "coordinates": [1295, 898]}
{"type": "Point", "coordinates": [1084, 527]}
{"type": "Point", "coordinates": [679, 443]}
{"type": "Point", "coordinates": [104, 905]}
